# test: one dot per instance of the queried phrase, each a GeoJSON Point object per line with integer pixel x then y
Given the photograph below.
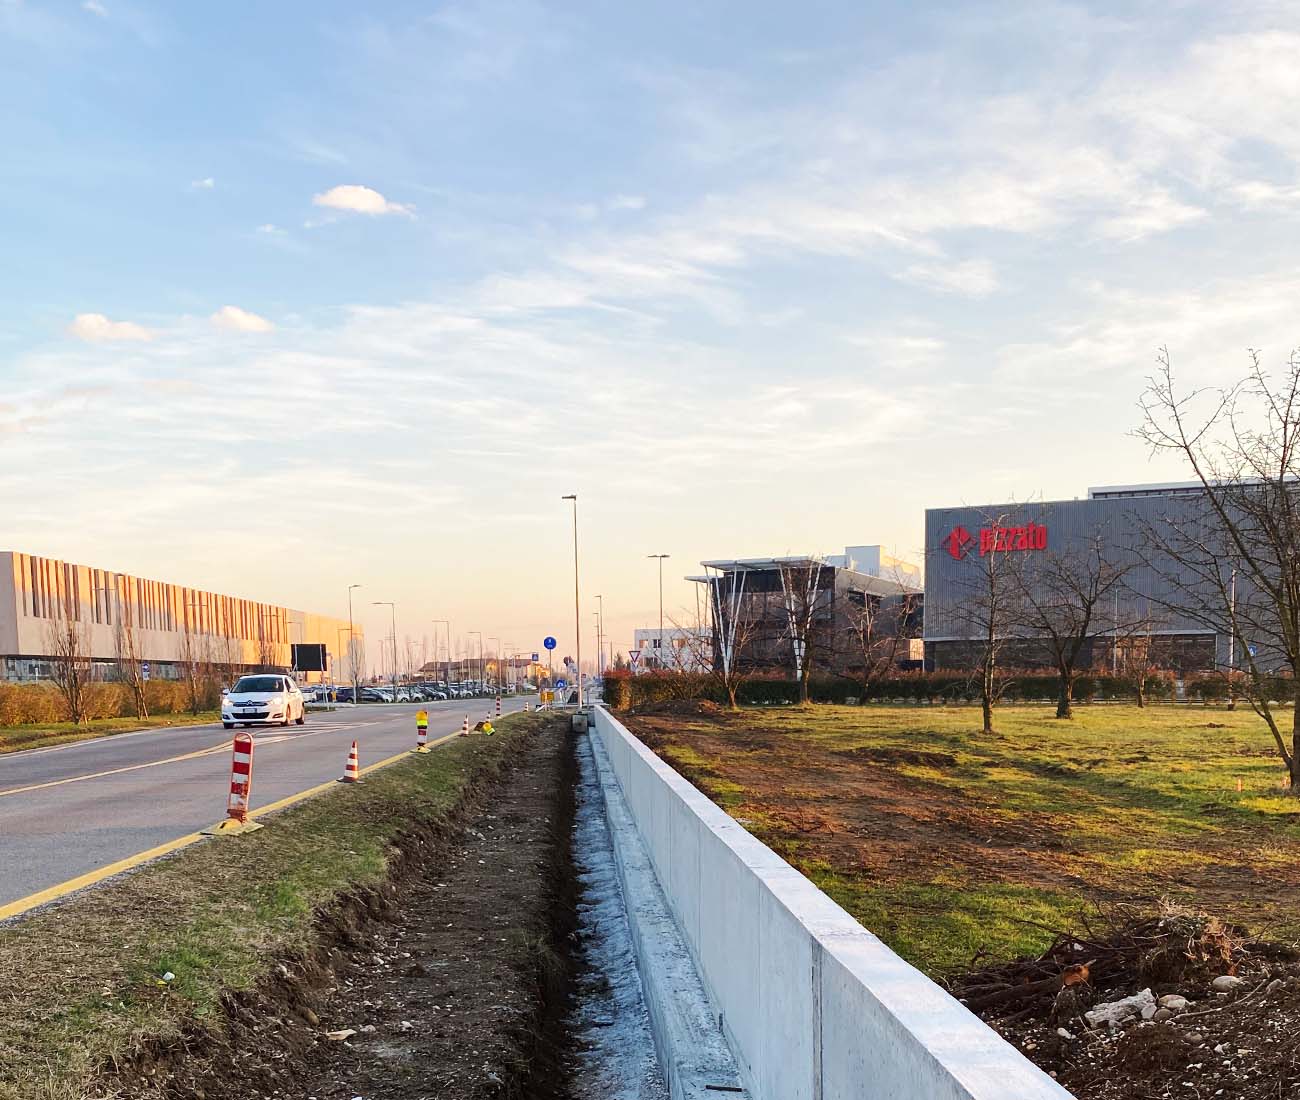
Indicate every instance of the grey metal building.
{"type": "Point", "coordinates": [1119, 519]}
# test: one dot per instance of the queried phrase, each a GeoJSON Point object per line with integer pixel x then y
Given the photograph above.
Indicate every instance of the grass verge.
{"type": "Point", "coordinates": [951, 844]}
{"type": "Point", "coordinates": [16, 738]}
{"type": "Point", "coordinates": [82, 981]}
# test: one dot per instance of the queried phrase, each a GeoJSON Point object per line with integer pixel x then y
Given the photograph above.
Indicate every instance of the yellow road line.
{"type": "Point", "coordinates": [91, 878]}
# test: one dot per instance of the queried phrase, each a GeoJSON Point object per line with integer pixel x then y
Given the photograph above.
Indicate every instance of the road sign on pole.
{"type": "Point", "coordinates": [561, 683]}
{"type": "Point", "coordinates": [534, 658]}
{"type": "Point", "coordinates": [144, 670]}
{"type": "Point", "coordinates": [548, 642]}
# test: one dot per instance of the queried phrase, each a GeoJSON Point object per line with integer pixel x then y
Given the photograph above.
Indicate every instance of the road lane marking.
{"type": "Point", "coordinates": [115, 771]}
{"type": "Point", "coordinates": [92, 878]}
{"type": "Point", "coordinates": [314, 732]}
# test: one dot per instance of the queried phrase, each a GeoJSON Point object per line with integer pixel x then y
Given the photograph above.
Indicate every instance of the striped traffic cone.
{"type": "Point", "coordinates": [352, 773]}
{"type": "Point", "coordinates": [464, 727]}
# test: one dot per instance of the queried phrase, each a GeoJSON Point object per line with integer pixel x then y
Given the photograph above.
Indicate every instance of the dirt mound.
{"type": "Point", "coordinates": [1198, 1010]}
{"type": "Point", "coordinates": [900, 756]}
{"type": "Point", "coordinates": [682, 708]}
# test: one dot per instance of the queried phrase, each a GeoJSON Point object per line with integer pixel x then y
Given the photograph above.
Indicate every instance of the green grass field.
{"type": "Point", "coordinates": [950, 844]}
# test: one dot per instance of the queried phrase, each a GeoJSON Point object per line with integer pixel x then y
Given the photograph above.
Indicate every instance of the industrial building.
{"type": "Point", "coordinates": [168, 624]}
{"type": "Point", "coordinates": [1120, 520]}
{"type": "Point", "coordinates": [773, 614]}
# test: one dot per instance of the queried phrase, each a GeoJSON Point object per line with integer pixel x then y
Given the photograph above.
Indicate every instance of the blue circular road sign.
{"type": "Point", "coordinates": [561, 684]}
{"type": "Point", "coordinates": [549, 643]}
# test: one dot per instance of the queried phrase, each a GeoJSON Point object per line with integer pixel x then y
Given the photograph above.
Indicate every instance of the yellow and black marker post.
{"type": "Point", "coordinates": [421, 731]}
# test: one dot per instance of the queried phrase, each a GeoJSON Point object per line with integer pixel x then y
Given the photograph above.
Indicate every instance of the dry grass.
{"type": "Point", "coordinates": [81, 982]}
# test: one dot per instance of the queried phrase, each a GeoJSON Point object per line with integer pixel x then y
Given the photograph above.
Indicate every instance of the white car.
{"type": "Point", "coordinates": [263, 700]}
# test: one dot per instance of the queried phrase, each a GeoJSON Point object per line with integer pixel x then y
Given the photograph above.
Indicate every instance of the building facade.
{"type": "Point", "coordinates": [784, 614]}
{"type": "Point", "coordinates": [676, 649]}
{"type": "Point", "coordinates": [164, 625]}
{"type": "Point", "coordinates": [1123, 523]}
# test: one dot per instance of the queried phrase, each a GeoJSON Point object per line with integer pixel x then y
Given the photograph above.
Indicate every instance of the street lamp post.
{"type": "Point", "coordinates": [352, 650]}
{"type": "Point", "coordinates": [392, 607]}
{"type": "Point", "coordinates": [446, 623]}
{"type": "Point", "coordinates": [600, 636]}
{"type": "Point", "coordinates": [577, 606]}
{"type": "Point", "coordinates": [660, 641]}
{"type": "Point", "coordinates": [480, 656]}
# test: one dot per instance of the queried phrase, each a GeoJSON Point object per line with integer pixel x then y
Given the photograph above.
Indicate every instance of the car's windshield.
{"type": "Point", "coordinates": [258, 683]}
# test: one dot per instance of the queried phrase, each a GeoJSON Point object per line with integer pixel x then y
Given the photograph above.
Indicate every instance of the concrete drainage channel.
{"type": "Point", "coordinates": [642, 1022]}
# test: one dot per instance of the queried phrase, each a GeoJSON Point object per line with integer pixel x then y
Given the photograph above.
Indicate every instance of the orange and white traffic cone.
{"type": "Point", "coordinates": [352, 773]}
{"type": "Point", "coordinates": [464, 727]}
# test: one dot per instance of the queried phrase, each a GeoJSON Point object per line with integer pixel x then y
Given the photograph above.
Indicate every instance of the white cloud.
{"type": "Point", "coordinates": [627, 202]}
{"type": "Point", "coordinates": [1157, 212]}
{"type": "Point", "coordinates": [95, 8]}
{"type": "Point", "coordinates": [240, 320]}
{"type": "Point", "coordinates": [205, 184]}
{"type": "Point", "coordinates": [271, 230]}
{"type": "Point", "coordinates": [95, 328]}
{"type": "Point", "coordinates": [359, 200]}
{"type": "Point", "coordinates": [973, 278]}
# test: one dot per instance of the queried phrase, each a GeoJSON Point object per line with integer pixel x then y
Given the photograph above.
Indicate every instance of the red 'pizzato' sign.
{"type": "Point", "coordinates": [994, 540]}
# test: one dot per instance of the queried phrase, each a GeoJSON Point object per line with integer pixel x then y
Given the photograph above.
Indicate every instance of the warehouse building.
{"type": "Point", "coordinates": [1119, 519]}
{"type": "Point", "coordinates": [168, 623]}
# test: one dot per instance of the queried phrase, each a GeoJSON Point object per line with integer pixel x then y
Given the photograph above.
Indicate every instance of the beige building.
{"type": "Point", "coordinates": [167, 622]}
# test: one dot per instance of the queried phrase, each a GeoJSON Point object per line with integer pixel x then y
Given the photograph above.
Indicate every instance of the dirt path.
{"type": "Point", "coordinates": [446, 985]}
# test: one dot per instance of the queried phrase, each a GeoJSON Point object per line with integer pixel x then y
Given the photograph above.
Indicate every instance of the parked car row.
{"type": "Point", "coordinates": [405, 693]}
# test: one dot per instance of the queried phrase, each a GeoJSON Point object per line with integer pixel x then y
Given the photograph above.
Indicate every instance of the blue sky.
{"type": "Point", "coordinates": [384, 281]}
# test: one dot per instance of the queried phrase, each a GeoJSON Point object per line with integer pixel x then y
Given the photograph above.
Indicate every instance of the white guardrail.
{"type": "Point", "coordinates": [814, 1006]}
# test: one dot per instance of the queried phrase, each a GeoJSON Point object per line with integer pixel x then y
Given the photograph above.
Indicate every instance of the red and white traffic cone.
{"type": "Point", "coordinates": [241, 787]}
{"type": "Point", "coordinates": [464, 727]}
{"type": "Point", "coordinates": [352, 773]}
{"type": "Point", "coordinates": [498, 706]}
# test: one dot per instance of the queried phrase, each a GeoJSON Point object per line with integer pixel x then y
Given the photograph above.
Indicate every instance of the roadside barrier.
{"type": "Point", "coordinates": [241, 788]}
{"type": "Point", "coordinates": [352, 773]}
{"type": "Point", "coordinates": [422, 731]}
{"type": "Point", "coordinates": [464, 727]}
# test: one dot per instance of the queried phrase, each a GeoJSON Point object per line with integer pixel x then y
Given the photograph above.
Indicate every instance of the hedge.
{"type": "Point", "coordinates": [38, 704]}
{"type": "Point", "coordinates": [625, 692]}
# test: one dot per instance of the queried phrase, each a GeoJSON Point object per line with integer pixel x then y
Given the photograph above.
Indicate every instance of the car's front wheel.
{"type": "Point", "coordinates": [228, 725]}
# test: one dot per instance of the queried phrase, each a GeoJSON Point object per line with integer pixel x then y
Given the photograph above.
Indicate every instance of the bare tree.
{"type": "Point", "coordinates": [1230, 561]}
{"type": "Point", "coordinates": [69, 656]}
{"type": "Point", "coordinates": [1140, 652]}
{"type": "Point", "coordinates": [735, 628]}
{"type": "Point", "coordinates": [1061, 599]}
{"type": "Point", "coordinates": [130, 666]}
{"type": "Point", "coordinates": [989, 607]}
{"type": "Point", "coordinates": [808, 608]}
{"type": "Point", "coordinates": [879, 629]}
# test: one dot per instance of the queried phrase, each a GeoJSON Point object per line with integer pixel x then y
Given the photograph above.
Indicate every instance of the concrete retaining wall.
{"type": "Point", "coordinates": [814, 1006]}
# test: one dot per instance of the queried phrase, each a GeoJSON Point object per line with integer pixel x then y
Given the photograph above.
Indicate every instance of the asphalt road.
{"type": "Point", "coordinates": [70, 810]}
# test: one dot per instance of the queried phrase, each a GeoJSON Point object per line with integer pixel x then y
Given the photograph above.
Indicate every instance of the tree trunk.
{"type": "Point", "coordinates": [1294, 763]}
{"type": "Point", "coordinates": [1065, 701]}
{"type": "Point", "coordinates": [1142, 692]}
{"type": "Point", "coordinates": [803, 688]}
{"type": "Point", "coordinates": [987, 705]}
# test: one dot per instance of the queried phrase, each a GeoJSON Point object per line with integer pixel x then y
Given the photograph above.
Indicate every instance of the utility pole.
{"type": "Point", "coordinates": [660, 640]}
{"type": "Point", "coordinates": [480, 656]}
{"type": "Point", "coordinates": [600, 636]}
{"type": "Point", "coordinates": [447, 626]}
{"type": "Point", "coordinates": [577, 606]}
{"type": "Point", "coordinates": [496, 668]}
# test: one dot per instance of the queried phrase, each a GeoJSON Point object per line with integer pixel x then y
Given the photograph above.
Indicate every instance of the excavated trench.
{"type": "Point", "coordinates": [495, 962]}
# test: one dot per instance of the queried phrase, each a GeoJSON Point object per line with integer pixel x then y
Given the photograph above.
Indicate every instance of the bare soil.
{"type": "Point", "coordinates": [450, 980]}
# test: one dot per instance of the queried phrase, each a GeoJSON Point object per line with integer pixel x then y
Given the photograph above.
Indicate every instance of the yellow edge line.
{"type": "Point", "coordinates": [53, 893]}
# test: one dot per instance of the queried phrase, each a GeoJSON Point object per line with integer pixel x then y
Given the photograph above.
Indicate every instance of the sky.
{"type": "Point", "coordinates": [301, 295]}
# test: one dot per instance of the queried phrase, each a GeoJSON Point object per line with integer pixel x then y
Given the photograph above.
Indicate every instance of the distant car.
{"type": "Point", "coordinates": [315, 693]}
{"type": "Point", "coordinates": [263, 700]}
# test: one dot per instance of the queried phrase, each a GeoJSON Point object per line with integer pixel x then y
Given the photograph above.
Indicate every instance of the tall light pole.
{"type": "Point", "coordinates": [600, 652]}
{"type": "Point", "coordinates": [480, 656]}
{"type": "Point", "coordinates": [600, 636]}
{"type": "Point", "coordinates": [352, 649]}
{"type": "Point", "coordinates": [447, 626]}
{"type": "Point", "coordinates": [392, 607]}
{"type": "Point", "coordinates": [577, 606]}
{"type": "Point", "coordinates": [660, 640]}
{"type": "Point", "coordinates": [496, 668]}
